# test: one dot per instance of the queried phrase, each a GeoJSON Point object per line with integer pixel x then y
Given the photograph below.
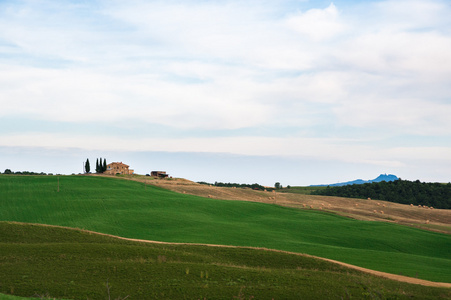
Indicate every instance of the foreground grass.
{"type": "Point", "coordinates": [71, 264]}
{"type": "Point", "coordinates": [37, 297]}
{"type": "Point", "coordinates": [9, 297]}
{"type": "Point", "coordinates": [130, 209]}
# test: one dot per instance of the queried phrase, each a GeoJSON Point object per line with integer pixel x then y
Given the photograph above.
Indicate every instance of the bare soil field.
{"type": "Point", "coordinates": [438, 220]}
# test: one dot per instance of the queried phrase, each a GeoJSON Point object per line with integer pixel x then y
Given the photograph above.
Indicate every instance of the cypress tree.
{"type": "Point", "coordinates": [97, 166]}
{"type": "Point", "coordinates": [87, 166]}
{"type": "Point", "coordinates": [104, 165]}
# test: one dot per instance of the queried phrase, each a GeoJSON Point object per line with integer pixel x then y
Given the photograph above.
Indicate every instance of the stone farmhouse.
{"type": "Point", "coordinates": [118, 168]}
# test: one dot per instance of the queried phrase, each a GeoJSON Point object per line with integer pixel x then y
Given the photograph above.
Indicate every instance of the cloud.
{"type": "Point", "coordinates": [349, 151]}
{"type": "Point", "coordinates": [278, 78]}
{"type": "Point", "coordinates": [412, 15]}
{"type": "Point", "coordinates": [317, 24]}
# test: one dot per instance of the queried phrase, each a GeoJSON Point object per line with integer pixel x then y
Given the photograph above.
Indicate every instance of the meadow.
{"type": "Point", "coordinates": [51, 262]}
{"type": "Point", "coordinates": [134, 210]}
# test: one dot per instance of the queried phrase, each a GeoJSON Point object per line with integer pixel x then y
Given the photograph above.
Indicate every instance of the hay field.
{"type": "Point", "coordinates": [438, 220]}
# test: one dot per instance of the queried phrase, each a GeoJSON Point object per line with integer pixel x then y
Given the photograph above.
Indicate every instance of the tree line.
{"type": "Point", "coordinates": [437, 195]}
{"type": "Point", "coordinates": [254, 186]}
{"type": "Point", "coordinates": [101, 165]}
{"type": "Point", "coordinates": [8, 171]}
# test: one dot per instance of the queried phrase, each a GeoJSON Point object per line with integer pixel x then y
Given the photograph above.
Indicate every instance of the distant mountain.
{"type": "Point", "coordinates": [382, 177]}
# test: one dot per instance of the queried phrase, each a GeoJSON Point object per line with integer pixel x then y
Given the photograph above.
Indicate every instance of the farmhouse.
{"type": "Point", "coordinates": [118, 168]}
{"type": "Point", "coordinates": [161, 174]}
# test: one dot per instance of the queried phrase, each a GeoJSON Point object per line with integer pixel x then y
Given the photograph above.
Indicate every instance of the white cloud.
{"type": "Point", "coordinates": [414, 54]}
{"type": "Point", "coordinates": [404, 116]}
{"type": "Point", "coordinates": [318, 24]}
{"type": "Point", "coordinates": [350, 151]}
{"type": "Point", "coordinates": [80, 96]}
{"type": "Point", "coordinates": [378, 69]}
{"type": "Point", "coordinates": [407, 15]}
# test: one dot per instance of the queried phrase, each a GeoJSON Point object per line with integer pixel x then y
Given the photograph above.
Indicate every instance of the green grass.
{"type": "Point", "coordinates": [69, 264]}
{"type": "Point", "coordinates": [37, 297]}
{"type": "Point", "coordinates": [128, 209]}
{"type": "Point", "coordinates": [9, 297]}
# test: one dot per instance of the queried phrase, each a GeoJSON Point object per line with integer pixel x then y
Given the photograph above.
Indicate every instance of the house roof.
{"type": "Point", "coordinates": [118, 163]}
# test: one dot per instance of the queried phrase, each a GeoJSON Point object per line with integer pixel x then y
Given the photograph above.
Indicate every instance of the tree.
{"type": "Point", "coordinates": [87, 166]}
{"type": "Point", "coordinates": [277, 185]}
{"type": "Point", "coordinates": [7, 171]}
{"type": "Point", "coordinates": [101, 165]}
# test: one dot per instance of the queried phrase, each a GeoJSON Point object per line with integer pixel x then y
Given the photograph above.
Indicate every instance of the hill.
{"type": "Point", "coordinates": [434, 195]}
{"type": "Point", "coordinates": [301, 198]}
{"type": "Point", "coordinates": [380, 178]}
{"type": "Point", "coordinates": [135, 210]}
{"type": "Point", "coordinates": [47, 262]}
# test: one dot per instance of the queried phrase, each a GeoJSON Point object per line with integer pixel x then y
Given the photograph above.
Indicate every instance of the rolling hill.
{"type": "Point", "coordinates": [135, 210]}
{"type": "Point", "coordinates": [47, 261]}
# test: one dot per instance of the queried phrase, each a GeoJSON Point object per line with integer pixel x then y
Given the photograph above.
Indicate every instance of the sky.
{"type": "Point", "coordinates": [291, 91]}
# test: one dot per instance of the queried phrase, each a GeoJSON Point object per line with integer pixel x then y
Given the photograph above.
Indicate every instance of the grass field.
{"type": "Point", "coordinates": [438, 220]}
{"type": "Point", "coordinates": [130, 209]}
{"type": "Point", "coordinates": [46, 262]}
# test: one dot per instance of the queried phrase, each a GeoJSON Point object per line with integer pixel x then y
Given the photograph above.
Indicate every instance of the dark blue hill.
{"type": "Point", "coordinates": [382, 177]}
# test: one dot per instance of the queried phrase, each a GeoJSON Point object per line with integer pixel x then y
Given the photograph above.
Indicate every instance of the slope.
{"type": "Point", "coordinates": [52, 262]}
{"type": "Point", "coordinates": [130, 209]}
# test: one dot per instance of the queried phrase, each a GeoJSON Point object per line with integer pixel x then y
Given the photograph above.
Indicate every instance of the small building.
{"type": "Point", "coordinates": [160, 174]}
{"type": "Point", "coordinates": [118, 168]}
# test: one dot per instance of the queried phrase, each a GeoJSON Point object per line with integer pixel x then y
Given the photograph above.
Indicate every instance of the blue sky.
{"type": "Point", "coordinates": [301, 92]}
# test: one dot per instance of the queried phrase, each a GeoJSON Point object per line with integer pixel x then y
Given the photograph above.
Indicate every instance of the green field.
{"type": "Point", "coordinates": [129, 209]}
{"type": "Point", "coordinates": [47, 262]}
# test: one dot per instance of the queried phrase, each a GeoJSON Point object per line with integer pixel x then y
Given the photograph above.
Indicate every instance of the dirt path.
{"type": "Point", "coordinates": [369, 271]}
